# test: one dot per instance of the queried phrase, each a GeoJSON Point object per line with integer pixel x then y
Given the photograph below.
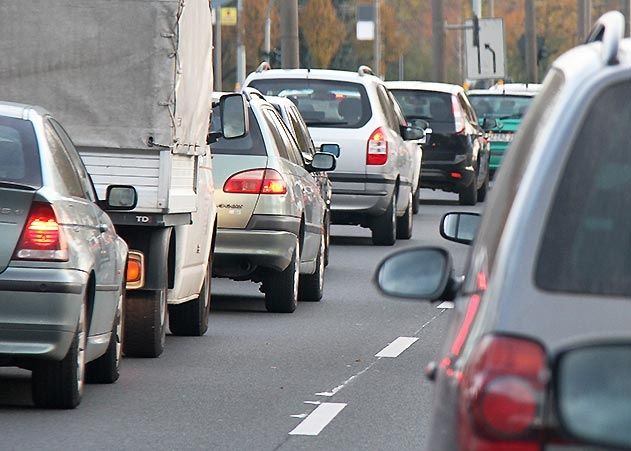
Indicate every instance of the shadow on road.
{"type": "Point", "coordinates": [237, 303]}
{"type": "Point", "coordinates": [15, 391]}
{"type": "Point", "coordinates": [439, 202]}
{"type": "Point", "coordinates": [351, 240]}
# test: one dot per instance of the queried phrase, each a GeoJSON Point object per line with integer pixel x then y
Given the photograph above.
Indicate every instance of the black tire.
{"type": "Point", "coordinates": [281, 287]}
{"type": "Point", "coordinates": [191, 318]}
{"type": "Point", "coordinates": [327, 231]}
{"type": "Point", "coordinates": [145, 323]}
{"type": "Point", "coordinates": [405, 222]}
{"type": "Point", "coordinates": [484, 189]}
{"type": "Point", "coordinates": [59, 385]}
{"type": "Point", "coordinates": [468, 195]}
{"type": "Point", "coordinates": [416, 199]}
{"type": "Point", "coordinates": [384, 227]}
{"type": "Point", "coordinates": [106, 369]}
{"type": "Point", "coordinates": [311, 286]}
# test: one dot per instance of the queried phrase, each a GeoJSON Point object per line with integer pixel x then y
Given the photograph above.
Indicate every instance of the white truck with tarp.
{"type": "Point", "coordinates": [131, 80]}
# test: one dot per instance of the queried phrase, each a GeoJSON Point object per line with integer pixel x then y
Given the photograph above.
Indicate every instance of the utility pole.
{"type": "Point", "coordinates": [477, 8]}
{"type": "Point", "coordinates": [531, 42]}
{"type": "Point", "coordinates": [491, 8]}
{"type": "Point", "coordinates": [583, 19]}
{"type": "Point", "coordinates": [626, 10]}
{"type": "Point", "coordinates": [267, 41]}
{"type": "Point", "coordinates": [217, 69]}
{"type": "Point", "coordinates": [240, 45]}
{"type": "Point", "coordinates": [377, 40]}
{"type": "Point", "coordinates": [289, 34]}
{"type": "Point", "coordinates": [438, 41]}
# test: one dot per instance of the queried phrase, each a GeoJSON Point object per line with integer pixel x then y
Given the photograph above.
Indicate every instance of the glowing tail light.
{"type": "Point", "coordinates": [256, 181]}
{"type": "Point", "coordinates": [42, 237]}
{"type": "Point", "coordinates": [377, 148]}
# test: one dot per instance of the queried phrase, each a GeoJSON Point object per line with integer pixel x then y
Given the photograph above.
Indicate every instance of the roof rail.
{"type": "Point", "coordinates": [263, 66]}
{"type": "Point", "coordinates": [249, 92]}
{"type": "Point", "coordinates": [365, 70]}
{"type": "Point", "coordinates": [609, 29]}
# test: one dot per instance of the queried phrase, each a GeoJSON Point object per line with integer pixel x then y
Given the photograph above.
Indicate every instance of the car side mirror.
{"type": "Point", "coordinates": [592, 394]}
{"type": "Point", "coordinates": [234, 116]}
{"type": "Point", "coordinates": [333, 149]}
{"type": "Point", "coordinates": [490, 123]}
{"type": "Point", "coordinates": [460, 227]}
{"type": "Point", "coordinates": [120, 197]}
{"type": "Point", "coordinates": [322, 162]}
{"type": "Point", "coordinates": [411, 133]}
{"type": "Point", "coordinates": [417, 273]}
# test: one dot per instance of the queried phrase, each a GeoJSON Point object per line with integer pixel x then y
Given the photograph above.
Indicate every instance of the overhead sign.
{"type": "Point", "coordinates": [365, 29]}
{"type": "Point", "coordinates": [229, 16]}
{"type": "Point", "coordinates": [486, 56]}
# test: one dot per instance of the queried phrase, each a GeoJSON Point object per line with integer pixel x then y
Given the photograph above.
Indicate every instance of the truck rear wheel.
{"type": "Point", "coordinates": [191, 318]}
{"type": "Point", "coordinates": [281, 291]}
{"type": "Point", "coordinates": [59, 385]}
{"type": "Point", "coordinates": [145, 323]}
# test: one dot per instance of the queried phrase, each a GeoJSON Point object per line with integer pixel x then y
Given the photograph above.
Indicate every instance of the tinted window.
{"type": "Point", "coordinates": [64, 173]}
{"type": "Point", "coordinates": [19, 154]}
{"type": "Point", "coordinates": [287, 137]}
{"type": "Point", "coordinates": [273, 127]}
{"type": "Point", "coordinates": [432, 106]}
{"type": "Point", "coordinates": [250, 144]}
{"type": "Point", "coordinates": [322, 103]}
{"type": "Point", "coordinates": [301, 134]}
{"type": "Point", "coordinates": [586, 246]}
{"type": "Point", "coordinates": [507, 107]}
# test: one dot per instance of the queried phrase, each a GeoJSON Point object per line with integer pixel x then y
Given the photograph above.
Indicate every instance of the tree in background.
{"type": "Point", "coordinates": [322, 30]}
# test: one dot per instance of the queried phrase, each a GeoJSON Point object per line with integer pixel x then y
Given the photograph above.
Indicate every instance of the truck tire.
{"type": "Point", "coordinates": [59, 385]}
{"type": "Point", "coordinates": [405, 222]}
{"type": "Point", "coordinates": [384, 227]}
{"type": "Point", "coordinates": [468, 195]}
{"type": "Point", "coordinates": [145, 323]}
{"type": "Point", "coordinates": [311, 286]}
{"type": "Point", "coordinates": [106, 369]}
{"type": "Point", "coordinates": [191, 318]}
{"type": "Point", "coordinates": [281, 291]}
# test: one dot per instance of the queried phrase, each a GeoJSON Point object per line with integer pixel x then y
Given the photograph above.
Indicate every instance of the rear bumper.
{"type": "Point", "coordinates": [438, 174]}
{"type": "Point", "coordinates": [39, 311]}
{"type": "Point", "coordinates": [267, 248]}
{"type": "Point", "coordinates": [358, 197]}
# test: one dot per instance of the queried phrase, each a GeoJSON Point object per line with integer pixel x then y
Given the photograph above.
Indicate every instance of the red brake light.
{"type": "Point", "coordinates": [501, 394]}
{"type": "Point", "coordinates": [256, 181]}
{"type": "Point", "coordinates": [377, 148]}
{"type": "Point", "coordinates": [42, 238]}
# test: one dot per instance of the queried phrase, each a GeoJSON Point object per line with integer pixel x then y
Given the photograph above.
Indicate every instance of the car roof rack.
{"type": "Point", "coordinates": [365, 70]}
{"type": "Point", "coordinates": [263, 66]}
{"type": "Point", "coordinates": [609, 29]}
{"type": "Point", "coordinates": [249, 93]}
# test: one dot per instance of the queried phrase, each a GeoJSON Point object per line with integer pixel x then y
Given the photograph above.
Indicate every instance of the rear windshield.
{"type": "Point", "coordinates": [586, 247]}
{"type": "Point", "coordinates": [322, 103]}
{"type": "Point", "coordinates": [19, 154]}
{"type": "Point", "coordinates": [250, 144]}
{"type": "Point", "coordinates": [432, 106]}
{"type": "Point", "coordinates": [500, 107]}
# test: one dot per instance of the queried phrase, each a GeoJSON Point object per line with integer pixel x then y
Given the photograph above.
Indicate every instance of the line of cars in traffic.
{"type": "Point", "coordinates": [538, 352]}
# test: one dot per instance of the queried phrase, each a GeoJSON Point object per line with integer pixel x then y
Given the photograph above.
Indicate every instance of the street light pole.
{"type": "Point", "coordinates": [289, 34]}
{"type": "Point", "coordinates": [240, 45]}
{"type": "Point", "coordinates": [377, 41]}
{"type": "Point", "coordinates": [267, 42]}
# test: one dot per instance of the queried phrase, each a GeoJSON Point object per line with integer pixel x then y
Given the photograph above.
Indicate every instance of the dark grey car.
{"type": "Point", "coordinates": [62, 265]}
{"type": "Point", "coordinates": [549, 272]}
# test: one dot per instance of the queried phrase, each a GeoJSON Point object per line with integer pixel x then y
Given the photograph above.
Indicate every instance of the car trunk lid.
{"type": "Point", "coordinates": [15, 204]}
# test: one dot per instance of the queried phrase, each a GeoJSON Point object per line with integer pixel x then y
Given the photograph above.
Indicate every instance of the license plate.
{"type": "Point", "coordinates": [501, 137]}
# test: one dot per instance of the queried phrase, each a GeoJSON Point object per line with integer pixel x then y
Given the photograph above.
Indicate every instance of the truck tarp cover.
{"type": "Point", "coordinates": [116, 73]}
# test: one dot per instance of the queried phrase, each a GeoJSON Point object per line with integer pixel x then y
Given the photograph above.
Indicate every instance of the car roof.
{"type": "Point", "coordinates": [20, 110]}
{"type": "Point", "coordinates": [321, 74]}
{"type": "Point", "coordinates": [491, 92]}
{"type": "Point", "coordinates": [425, 86]}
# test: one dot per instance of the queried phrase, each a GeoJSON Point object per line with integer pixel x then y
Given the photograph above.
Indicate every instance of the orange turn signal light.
{"type": "Point", "coordinates": [135, 270]}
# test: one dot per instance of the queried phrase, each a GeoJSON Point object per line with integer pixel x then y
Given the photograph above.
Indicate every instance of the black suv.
{"type": "Point", "coordinates": [456, 158]}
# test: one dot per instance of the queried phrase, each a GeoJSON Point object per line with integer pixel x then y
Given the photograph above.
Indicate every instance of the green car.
{"type": "Point", "coordinates": [507, 104]}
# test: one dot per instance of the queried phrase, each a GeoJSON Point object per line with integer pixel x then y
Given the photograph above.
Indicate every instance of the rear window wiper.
{"type": "Point", "coordinates": [13, 185]}
{"type": "Point", "coordinates": [325, 123]}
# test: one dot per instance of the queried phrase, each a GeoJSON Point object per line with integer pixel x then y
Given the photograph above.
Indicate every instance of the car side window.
{"type": "Point", "coordinates": [386, 106]}
{"type": "Point", "coordinates": [74, 156]}
{"type": "Point", "coordinates": [586, 245]}
{"type": "Point", "coordinates": [64, 173]}
{"type": "Point", "coordinates": [273, 126]}
{"type": "Point", "coordinates": [302, 135]}
{"type": "Point", "coordinates": [473, 118]}
{"type": "Point", "coordinates": [400, 117]}
{"type": "Point", "coordinates": [288, 139]}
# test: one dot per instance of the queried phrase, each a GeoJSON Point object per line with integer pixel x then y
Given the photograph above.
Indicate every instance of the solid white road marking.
{"type": "Point", "coordinates": [395, 348]}
{"type": "Point", "coordinates": [446, 304]}
{"type": "Point", "coordinates": [318, 419]}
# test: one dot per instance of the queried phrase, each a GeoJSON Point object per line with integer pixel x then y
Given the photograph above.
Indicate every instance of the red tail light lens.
{"type": "Point", "coordinates": [377, 148]}
{"type": "Point", "coordinates": [501, 394]}
{"type": "Point", "coordinates": [42, 238]}
{"type": "Point", "coordinates": [256, 181]}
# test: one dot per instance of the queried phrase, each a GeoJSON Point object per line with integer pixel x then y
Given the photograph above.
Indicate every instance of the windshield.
{"type": "Point", "coordinates": [500, 106]}
{"type": "Point", "coordinates": [322, 103]}
{"type": "Point", "coordinates": [433, 106]}
{"type": "Point", "coordinates": [19, 159]}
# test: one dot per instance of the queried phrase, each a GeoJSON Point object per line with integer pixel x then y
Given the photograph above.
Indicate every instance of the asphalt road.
{"type": "Point", "coordinates": [255, 380]}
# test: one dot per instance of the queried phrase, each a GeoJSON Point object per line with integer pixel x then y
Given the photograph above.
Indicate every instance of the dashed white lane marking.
{"type": "Point", "coordinates": [395, 348]}
{"type": "Point", "coordinates": [318, 419]}
{"type": "Point", "coordinates": [446, 304]}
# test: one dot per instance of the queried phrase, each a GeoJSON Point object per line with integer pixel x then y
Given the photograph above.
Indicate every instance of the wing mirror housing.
{"type": "Point", "coordinates": [491, 123]}
{"type": "Point", "coordinates": [322, 162]}
{"type": "Point", "coordinates": [411, 133]}
{"type": "Point", "coordinates": [333, 149]}
{"type": "Point", "coordinates": [120, 198]}
{"type": "Point", "coordinates": [460, 227]}
{"type": "Point", "coordinates": [233, 112]}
